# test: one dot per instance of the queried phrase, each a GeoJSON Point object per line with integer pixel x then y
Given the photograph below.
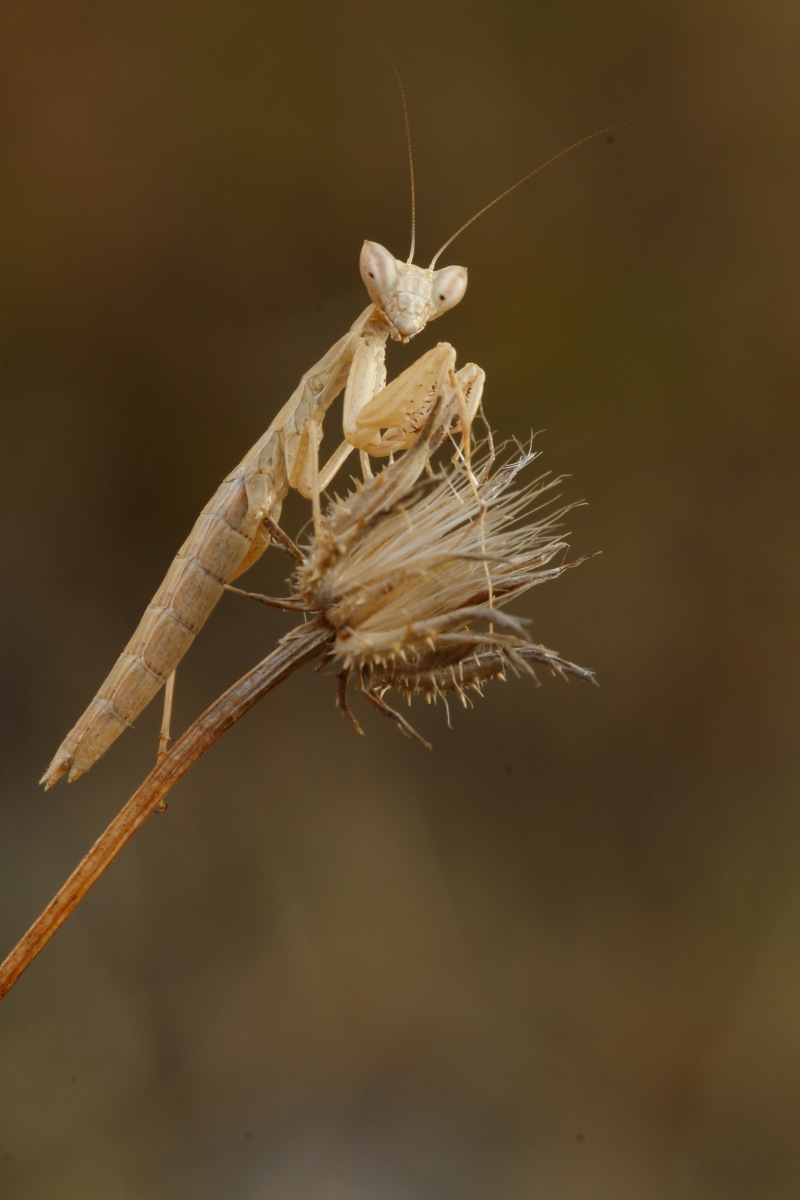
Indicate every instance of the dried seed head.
{"type": "Point", "coordinates": [410, 571]}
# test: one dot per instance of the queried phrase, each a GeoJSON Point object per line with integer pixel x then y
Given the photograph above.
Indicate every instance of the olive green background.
{"type": "Point", "coordinates": [557, 957]}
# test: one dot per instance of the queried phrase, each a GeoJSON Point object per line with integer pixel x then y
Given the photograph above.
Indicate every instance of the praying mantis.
{"type": "Point", "coordinates": [234, 528]}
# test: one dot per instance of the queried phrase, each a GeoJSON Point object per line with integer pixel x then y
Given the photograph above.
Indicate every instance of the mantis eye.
{"type": "Point", "coordinates": [378, 268]}
{"type": "Point", "coordinates": [449, 286]}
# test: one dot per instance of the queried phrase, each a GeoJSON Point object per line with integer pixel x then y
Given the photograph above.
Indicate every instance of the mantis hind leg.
{"type": "Point", "coordinates": [164, 736]}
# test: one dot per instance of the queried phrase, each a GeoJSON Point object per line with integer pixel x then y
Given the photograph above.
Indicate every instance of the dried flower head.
{"type": "Point", "coordinates": [412, 568]}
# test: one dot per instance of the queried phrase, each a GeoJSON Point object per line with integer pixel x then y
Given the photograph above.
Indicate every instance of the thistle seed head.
{"type": "Point", "coordinates": [413, 569]}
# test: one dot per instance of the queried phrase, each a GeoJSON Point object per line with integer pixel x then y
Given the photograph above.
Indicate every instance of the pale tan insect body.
{"type": "Point", "coordinates": [230, 534]}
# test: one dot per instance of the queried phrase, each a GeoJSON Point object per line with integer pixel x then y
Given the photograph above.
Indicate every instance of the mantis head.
{"type": "Point", "coordinates": [408, 297]}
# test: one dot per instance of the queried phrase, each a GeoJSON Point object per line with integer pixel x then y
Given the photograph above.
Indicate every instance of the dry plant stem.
{"type": "Point", "coordinates": [299, 647]}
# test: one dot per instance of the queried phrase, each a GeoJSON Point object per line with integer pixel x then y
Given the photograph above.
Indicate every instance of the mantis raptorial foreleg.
{"type": "Point", "coordinates": [401, 408]}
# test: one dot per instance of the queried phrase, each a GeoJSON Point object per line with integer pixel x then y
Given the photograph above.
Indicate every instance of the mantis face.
{"type": "Point", "coordinates": [408, 296]}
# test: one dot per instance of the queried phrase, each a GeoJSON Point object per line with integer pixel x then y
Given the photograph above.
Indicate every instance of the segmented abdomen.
{"type": "Point", "coordinates": [211, 556]}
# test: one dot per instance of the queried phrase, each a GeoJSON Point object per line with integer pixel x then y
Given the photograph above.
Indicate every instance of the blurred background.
{"type": "Point", "coordinates": [557, 957]}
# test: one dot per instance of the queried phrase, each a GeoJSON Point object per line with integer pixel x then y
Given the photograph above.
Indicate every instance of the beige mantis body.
{"type": "Point", "coordinates": [234, 528]}
{"type": "Point", "coordinates": [232, 531]}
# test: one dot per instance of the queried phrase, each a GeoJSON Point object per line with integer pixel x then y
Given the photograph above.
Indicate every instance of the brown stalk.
{"type": "Point", "coordinates": [302, 645]}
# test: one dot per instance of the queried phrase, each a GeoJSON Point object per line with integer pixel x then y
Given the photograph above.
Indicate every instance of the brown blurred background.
{"type": "Point", "coordinates": [557, 957]}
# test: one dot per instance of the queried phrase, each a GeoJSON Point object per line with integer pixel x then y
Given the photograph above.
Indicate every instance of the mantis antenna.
{"type": "Point", "coordinates": [407, 125]}
{"type": "Point", "coordinates": [519, 182]}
